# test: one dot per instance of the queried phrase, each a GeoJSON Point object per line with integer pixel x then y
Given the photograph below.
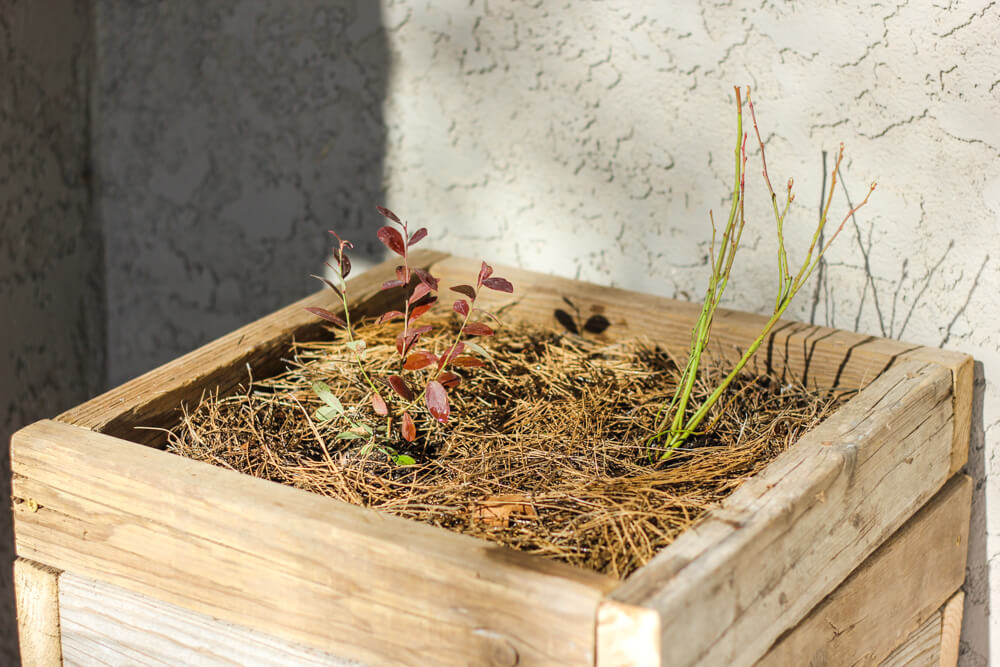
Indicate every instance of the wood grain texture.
{"type": "Point", "coordinates": [108, 625]}
{"type": "Point", "coordinates": [817, 356]}
{"type": "Point", "coordinates": [37, 590]}
{"type": "Point", "coordinates": [727, 588]}
{"type": "Point", "coordinates": [152, 399]}
{"type": "Point", "coordinates": [921, 649]}
{"type": "Point", "coordinates": [891, 594]}
{"type": "Point", "coordinates": [310, 569]}
{"type": "Point", "coordinates": [951, 629]}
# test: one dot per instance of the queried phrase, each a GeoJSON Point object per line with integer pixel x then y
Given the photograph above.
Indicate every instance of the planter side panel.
{"type": "Point", "coordinates": [892, 594]}
{"type": "Point", "coordinates": [728, 588]}
{"type": "Point", "coordinates": [287, 562]}
{"type": "Point", "coordinates": [108, 625]}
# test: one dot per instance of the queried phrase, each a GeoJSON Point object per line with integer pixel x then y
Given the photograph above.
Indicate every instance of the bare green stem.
{"type": "Point", "coordinates": [681, 426]}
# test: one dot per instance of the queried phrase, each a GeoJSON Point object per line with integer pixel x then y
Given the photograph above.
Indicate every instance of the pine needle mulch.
{"type": "Point", "coordinates": [543, 452]}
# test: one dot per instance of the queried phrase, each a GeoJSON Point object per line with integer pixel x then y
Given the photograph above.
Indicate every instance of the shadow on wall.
{"type": "Point", "coordinates": [52, 339]}
{"type": "Point", "coordinates": [228, 137]}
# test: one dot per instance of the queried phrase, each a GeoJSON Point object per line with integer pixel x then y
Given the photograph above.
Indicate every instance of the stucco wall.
{"type": "Point", "coordinates": [591, 139]}
{"type": "Point", "coordinates": [51, 287]}
{"type": "Point", "coordinates": [228, 137]}
{"type": "Point", "coordinates": [582, 138]}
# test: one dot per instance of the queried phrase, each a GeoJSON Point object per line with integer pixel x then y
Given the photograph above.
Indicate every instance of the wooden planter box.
{"type": "Point", "coordinates": [845, 546]}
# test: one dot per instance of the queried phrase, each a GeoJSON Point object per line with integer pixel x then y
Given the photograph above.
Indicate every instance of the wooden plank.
{"type": "Point", "coordinates": [37, 590]}
{"type": "Point", "coordinates": [951, 629]}
{"type": "Point", "coordinates": [786, 538]}
{"type": "Point", "coordinates": [891, 594]}
{"type": "Point", "coordinates": [817, 356]}
{"type": "Point", "coordinates": [921, 649]}
{"type": "Point", "coordinates": [935, 643]}
{"type": "Point", "coordinates": [310, 569]}
{"type": "Point", "coordinates": [152, 399]}
{"type": "Point", "coordinates": [108, 625]}
{"type": "Point", "coordinates": [627, 635]}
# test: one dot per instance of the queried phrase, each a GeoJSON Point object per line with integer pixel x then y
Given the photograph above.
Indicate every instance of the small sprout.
{"type": "Point", "coordinates": [403, 460]}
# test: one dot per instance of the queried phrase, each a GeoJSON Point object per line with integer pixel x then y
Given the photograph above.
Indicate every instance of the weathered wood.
{"type": "Point", "coordinates": [728, 588]}
{"type": "Point", "coordinates": [151, 400]}
{"type": "Point", "coordinates": [290, 564]}
{"type": "Point", "coordinates": [342, 578]}
{"type": "Point", "coordinates": [627, 635]}
{"type": "Point", "coordinates": [37, 590]}
{"type": "Point", "coordinates": [935, 643]}
{"type": "Point", "coordinates": [951, 629]}
{"type": "Point", "coordinates": [921, 649]}
{"type": "Point", "coordinates": [108, 625]}
{"type": "Point", "coordinates": [891, 594]}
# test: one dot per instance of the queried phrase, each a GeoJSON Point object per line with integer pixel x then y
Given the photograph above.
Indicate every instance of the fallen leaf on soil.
{"type": "Point", "coordinates": [497, 510]}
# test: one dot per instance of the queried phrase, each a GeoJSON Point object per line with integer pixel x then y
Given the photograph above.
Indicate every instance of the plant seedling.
{"type": "Point", "coordinates": [425, 368]}
{"type": "Point", "coordinates": [677, 421]}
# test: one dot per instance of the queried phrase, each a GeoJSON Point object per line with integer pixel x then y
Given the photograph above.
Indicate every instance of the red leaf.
{"type": "Point", "coordinates": [419, 292]}
{"type": "Point", "coordinates": [426, 278]}
{"type": "Point", "coordinates": [487, 314]}
{"type": "Point", "coordinates": [449, 380]}
{"type": "Point", "coordinates": [392, 239]}
{"type": "Point", "coordinates": [467, 362]}
{"type": "Point", "coordinates": [345, 265]}
{"type": "Point", "coordinates": [418, 236]}
{"type": "Point", "coordinates": [389, 284]}
{"type": "Point", "coordinates": [499, 284]}
{"type": "Point", "coordinates": [478, 329]}
{"type": "Point", "coordinates": [387, 213]}
{"type": "Point", "coordinates": [327, 315]}
{"type": "Point", "coordinates": [399, 386]}
{"type": "Point", "coordinates": [437, 401]}
{"type": "Point", "coordinates": [409, 429]}
{"type": "Point", "coordinates": [461, 307]}
{"type": "Point", "coordinates": [484, 272]}
{"type": "Point", "coordinates": [388, 317]}
{"type": "Point", "coordinates": [420, 310]}
{"type": "Point", "coordinates": [341, 242]}
{"type": "Point", "coordinates": [379, 406]}
{"type": "Point", "coordinates": [467, 290]}
{"type": "Point", "coordinates": [453, 351]}
{"type": "Point", "coordinates": [402, 274]}
{"type": "Point", "coordinates": [419, 359]}
{"type": "Point", "coordinates": [403, 345]}
{"type": "Point", "coordinates": [328, 284]}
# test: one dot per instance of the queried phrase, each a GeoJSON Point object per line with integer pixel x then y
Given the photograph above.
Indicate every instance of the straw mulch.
{"type": "Point", "coordinates": [543, 453]}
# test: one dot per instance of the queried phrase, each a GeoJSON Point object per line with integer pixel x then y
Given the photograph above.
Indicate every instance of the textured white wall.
{"type": "Point", "coordinates": [590, 139]}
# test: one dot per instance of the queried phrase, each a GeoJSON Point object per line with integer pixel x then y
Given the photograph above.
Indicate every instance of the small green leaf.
{"type": "Point", "coordinates": [322, 390]}
{"type": "Point", "coordinates": [403, 460]}
{"type": "Point", "coordinates": [326, 413]}
{"type": "Point", "coordinates": [349, 435]}
{"type": "Point", "coordinates": [477, 348]}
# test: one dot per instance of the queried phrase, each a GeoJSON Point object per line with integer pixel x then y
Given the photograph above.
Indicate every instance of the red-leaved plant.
{"type": "Point", "coordinates": [393, 395]}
